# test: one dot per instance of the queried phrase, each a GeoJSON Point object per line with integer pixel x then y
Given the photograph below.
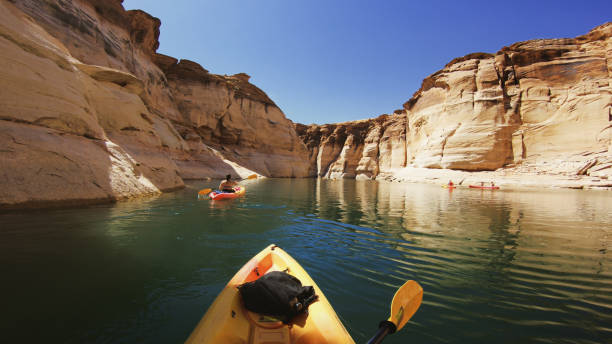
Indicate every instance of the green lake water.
{"type": "Point", "coordinates": [496, 266]}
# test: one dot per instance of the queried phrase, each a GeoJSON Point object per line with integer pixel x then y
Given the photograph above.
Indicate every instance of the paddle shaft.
{"type": "Point", "coordinates": [384, 329]}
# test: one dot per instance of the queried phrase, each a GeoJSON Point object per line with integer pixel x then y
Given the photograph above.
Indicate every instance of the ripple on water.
{"type": "Point", "coordinates": [504, 267]}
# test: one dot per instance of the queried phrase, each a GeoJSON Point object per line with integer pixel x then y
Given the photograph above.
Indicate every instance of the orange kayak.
{"type": "Point", "coordinates": [227, 321]}
{"type": "Point", "coordinates": [219, 195]}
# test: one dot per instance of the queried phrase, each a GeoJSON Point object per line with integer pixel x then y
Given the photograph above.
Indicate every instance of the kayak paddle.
{"type": "Point", "coordinates": [206, 191]}
{"type": "Point", "coordinates": [406, 301]}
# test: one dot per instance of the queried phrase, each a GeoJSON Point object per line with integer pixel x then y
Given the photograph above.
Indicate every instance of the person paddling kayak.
{"type": "Point", "coordinates": [227, 185]}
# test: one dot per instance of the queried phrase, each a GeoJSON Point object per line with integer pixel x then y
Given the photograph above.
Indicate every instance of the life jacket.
{"type": "Point", "coordinates": [277, 294]}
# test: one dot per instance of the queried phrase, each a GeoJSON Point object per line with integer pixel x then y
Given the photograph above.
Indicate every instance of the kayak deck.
{"type": "Point", "coordinates": [227, 321]}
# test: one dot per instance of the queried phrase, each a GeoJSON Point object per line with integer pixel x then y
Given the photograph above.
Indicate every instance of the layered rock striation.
{"type": "Point", "coordinates": [541, 106]}
{"type": "Point", "coordinates": [90, 112]}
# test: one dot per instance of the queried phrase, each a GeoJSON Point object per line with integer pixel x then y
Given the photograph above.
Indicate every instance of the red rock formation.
{"type": "Point", "coordinates": [144, 30]}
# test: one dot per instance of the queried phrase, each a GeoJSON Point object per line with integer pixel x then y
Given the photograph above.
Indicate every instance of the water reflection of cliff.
{"type": "Point", "coordinates": [490, 229]}
{"type": "Point", "coordinates": [407, 209]}
{"type": "Point", "coordinates": [538, 260]}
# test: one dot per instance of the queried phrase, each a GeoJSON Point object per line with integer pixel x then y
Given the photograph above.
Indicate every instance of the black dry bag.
{"type": "Point", "coordinates": [277, 294]}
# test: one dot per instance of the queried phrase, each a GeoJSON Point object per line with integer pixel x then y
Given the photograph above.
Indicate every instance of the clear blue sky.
{"type": "Point", "coordinates": [325, 61]}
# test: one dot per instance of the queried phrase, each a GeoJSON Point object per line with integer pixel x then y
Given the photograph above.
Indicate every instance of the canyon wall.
{"type": "Point", "coordinates": [359, 149]}
{"type": "Point", "coordinates": [90, 112]}
{"type": "Point", "coordinates": [541, 106]}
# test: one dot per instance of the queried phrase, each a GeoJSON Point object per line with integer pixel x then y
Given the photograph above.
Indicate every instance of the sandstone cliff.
{"type": "Point", "coordinates": [235, 117]}
{"type": "Point", "coordinates": [89, 112]}
{"type": "Point", "coordinates": [540, 106]}
{"type": "Point", "coordinates": [359, 149]}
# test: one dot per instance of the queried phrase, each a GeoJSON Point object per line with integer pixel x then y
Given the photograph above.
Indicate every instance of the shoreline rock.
{"type": "Point", "coordinates": [506, 180]}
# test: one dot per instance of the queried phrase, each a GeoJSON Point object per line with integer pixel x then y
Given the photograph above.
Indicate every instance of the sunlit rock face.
{"type": "Point", "coordinates": [457, 119]}
{"type": "Point", "coordinates": [535, 102]}
{"type": "Point", "coordinates": [88, 114]}
{"type": "Point", "coordinates": [72, 132]}
{"type": "Point", "coordinates": [235, 117]}
{"type": "Point", "coordinates": [541, 106]}
{"type": "Point", "coordinates": [358, 149]}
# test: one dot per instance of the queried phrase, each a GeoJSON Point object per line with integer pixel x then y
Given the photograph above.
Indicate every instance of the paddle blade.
{"type": "Point", "coordinates": [204, 192]}
{"type": "Point", "coordinates": [252, 176]}
{"type": "Point", "coordinates": [405, 303]}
